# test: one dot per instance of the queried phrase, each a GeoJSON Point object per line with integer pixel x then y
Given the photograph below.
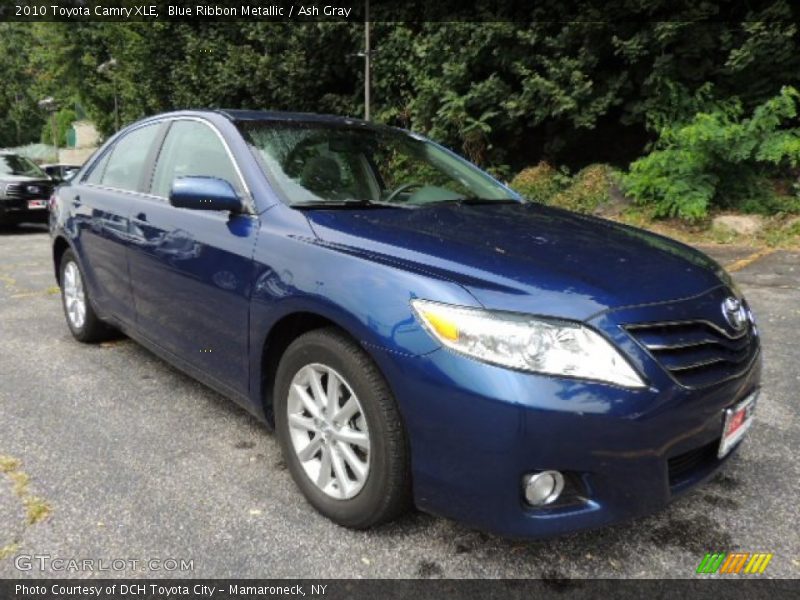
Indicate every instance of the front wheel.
{"type": "Point", "coordinates": [340, 431]}
{"type": "Point", "coordinates": [83, 322]}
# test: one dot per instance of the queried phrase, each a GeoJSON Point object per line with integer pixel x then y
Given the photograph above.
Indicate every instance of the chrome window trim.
{"type": "Point", "coordinates": [121, 191]}
{"type": "Point", "coordinates": [109, 151]}
{"type": "Point", "coordinates": [250, 204]}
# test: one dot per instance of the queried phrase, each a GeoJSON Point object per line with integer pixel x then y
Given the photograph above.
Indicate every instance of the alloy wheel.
{"type": "Point", "coordinates": [74, 296]}
{"type": "Point", "coordinates": [328, 431]}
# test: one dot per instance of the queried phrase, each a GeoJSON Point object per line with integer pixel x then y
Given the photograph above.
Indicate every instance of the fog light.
{"type": "Point", "coordinates": [542, 488]}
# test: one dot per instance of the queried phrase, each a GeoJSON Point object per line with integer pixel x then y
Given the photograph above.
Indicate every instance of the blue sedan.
{"type": "Point", "coordinates": [415, 332]}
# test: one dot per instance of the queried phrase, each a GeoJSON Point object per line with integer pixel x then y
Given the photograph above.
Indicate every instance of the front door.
{"type": "Point", "coordinates": [191, 270]}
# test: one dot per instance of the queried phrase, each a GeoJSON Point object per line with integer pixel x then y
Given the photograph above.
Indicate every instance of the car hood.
{"type": "Point", "coordinates": [24, 179]}
{"type": "Point", "coordinates": [524, 257]}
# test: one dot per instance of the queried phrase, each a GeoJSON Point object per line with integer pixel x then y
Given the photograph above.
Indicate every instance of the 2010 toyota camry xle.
{"type": "Point", "coordinates": [415, 332]}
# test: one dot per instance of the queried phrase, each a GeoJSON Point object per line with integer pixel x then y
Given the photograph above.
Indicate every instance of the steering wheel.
{"type": "Point", "coordinates": [403, 188]}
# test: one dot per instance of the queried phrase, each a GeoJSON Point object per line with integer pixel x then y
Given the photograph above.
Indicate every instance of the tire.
{"type": "Point", "coordinates": [385, 491]}
{"type": "Point", "coordinates": [89, 328]}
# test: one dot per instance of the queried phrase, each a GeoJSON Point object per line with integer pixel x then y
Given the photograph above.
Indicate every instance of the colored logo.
{"type": "Point", "coordinates": [735, 563]}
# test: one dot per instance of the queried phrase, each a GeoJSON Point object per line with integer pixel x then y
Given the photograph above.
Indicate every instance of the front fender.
{"type": "Point", "coordinates": [369, 300]}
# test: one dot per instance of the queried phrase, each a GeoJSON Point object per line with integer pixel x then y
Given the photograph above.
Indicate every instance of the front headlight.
{"type": "Point", "coordinates": [527, 343]}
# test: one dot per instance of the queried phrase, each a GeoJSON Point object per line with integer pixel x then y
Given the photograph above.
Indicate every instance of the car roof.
{"type": "Point", "coordinates": [241, 115]}
{"type": "Point", "coordinates": [276, 115]}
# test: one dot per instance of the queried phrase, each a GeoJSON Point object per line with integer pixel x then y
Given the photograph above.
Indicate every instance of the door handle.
{"type": "Point", "coordinates": [76, 201]}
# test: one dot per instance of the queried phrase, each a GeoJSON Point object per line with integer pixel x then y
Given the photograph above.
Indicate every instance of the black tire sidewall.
{"type": "Point", "coordinates": [338, 353]}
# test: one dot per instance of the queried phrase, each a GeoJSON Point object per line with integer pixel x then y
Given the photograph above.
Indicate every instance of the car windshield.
{"type": "Point", "coordinates": [330, 165]}
{"type": "Point", "coordinates": [12, 164]}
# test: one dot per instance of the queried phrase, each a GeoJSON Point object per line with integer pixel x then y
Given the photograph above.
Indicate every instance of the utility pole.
{"type": "Point", "coordinates": [17, 112]}
{"type": "Point", "coordinates": [367, 66]}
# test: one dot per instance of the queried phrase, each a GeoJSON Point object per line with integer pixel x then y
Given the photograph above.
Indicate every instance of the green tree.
{"type": "Point", "coordinates": [64, 119]}
{"type": "Point", "coordinates": [505, 94]}
{"type": "Point", "coordinates": [20, 117]}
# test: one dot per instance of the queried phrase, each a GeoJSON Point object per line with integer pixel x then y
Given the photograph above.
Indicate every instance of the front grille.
{"type": "Point", "coordinates": [698, 353]}
{"type": "Point", "coordinates": [15, 190]}
{"type": "Point", "coordinates": [19, 191]}
{"type": "Point", "coordinates": [685, 465]}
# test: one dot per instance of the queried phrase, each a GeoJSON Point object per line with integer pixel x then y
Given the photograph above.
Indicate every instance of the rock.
{"type": "Point", "coordinates": [741, 224]}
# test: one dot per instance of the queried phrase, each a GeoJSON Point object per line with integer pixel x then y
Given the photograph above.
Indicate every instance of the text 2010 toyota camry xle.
{"type": "Point", "coordinates": [412, 329]}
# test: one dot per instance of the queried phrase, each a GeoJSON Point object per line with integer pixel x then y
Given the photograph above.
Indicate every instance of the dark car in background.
{"type": "Point", "coordinates": [24, 190]}
{"type": "Point", "coordinates": [410, 326]}
{"type": "Point", "coordinates": [60, 172]}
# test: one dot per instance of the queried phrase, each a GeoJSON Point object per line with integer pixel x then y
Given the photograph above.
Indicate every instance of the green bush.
{"type": "Point", "coordinates": [589, 189]}
{"type": "Point", "coordinates": [540, 183]}
{"type": "Point", "coordinates": [769, 199]}
{"type": "Point", "coordinates": [720, 159]}
{"type": "Point", "coordinates": [583, 192]}
{"type": "Point", "coordinates": [64, 119]}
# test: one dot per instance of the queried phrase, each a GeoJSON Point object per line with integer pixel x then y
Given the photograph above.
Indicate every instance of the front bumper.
{"type": "Point", "coordinates": [474, 437]}
{"type": "Point", "coordinates": [17, 211]}
{"type": "Point", "coordinates": [475, 430]}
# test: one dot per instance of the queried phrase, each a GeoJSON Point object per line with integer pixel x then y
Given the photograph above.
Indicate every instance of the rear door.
{"type": "Point", "coordinates": [191, 270]}
{"type": "Point", "coordinates": [101, 206]}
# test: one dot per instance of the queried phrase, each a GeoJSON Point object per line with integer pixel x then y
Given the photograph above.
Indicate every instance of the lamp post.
{"type": "Point", "coordinates": [50, 105]}
{"type": "Point", "coordinates": [107, 69]}
{"type": "Point", "coordinates": [367, 56]}
{"type": "Point", "coordinates": [367, 65]}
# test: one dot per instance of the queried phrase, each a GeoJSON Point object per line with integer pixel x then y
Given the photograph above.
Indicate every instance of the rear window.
{"type": "Point", "coordinates": [127, 161]}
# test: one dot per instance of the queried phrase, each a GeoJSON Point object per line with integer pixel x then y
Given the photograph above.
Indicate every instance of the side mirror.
{"type": "Point", "coordinates": [204, 193]}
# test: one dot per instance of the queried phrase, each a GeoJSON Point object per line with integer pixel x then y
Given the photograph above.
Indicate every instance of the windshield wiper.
{"type": "Point", "coordinates": [354, 203]}
{"type": "Point", "coordinates": [472, 201]}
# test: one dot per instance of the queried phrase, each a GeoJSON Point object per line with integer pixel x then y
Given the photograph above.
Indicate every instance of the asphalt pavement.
{"type": "Point", "coordinates": [107, 453]}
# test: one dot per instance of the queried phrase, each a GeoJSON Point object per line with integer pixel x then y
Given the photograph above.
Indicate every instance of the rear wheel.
{"type": "Point", "coordinates": [83, 322]}
{"type": "Point", "coordinates": [340, 431]}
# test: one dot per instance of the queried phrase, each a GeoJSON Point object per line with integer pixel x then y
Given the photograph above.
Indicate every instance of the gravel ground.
{"type": "Point", "coordinates": [136, 461]}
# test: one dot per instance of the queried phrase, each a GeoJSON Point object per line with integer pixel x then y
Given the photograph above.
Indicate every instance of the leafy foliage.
{"type": "Point", "coordinates": [583, 192]}
{"type": "Point", "coordinates": [589, 189]}
{"type": "Point", "coordinates": [719, 158]}
{"type": "Point", "coordinates": [540, 183]}
{"type": "Point", "coordinates": [64, 119]}
{"type": "Point", "coordinates": [20, 118]}
{"type": "Point", "coordinates": [570, 92]}
{"type": "Point", "coordinates": [501, 93]}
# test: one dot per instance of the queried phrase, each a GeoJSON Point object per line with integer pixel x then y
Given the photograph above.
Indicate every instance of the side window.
{"type": "Point", "coordinates": [99, 168]}
{"type": "Point", "coordinates": [128, 159]}
{"type": "Point", "coordinates": [192, 149]}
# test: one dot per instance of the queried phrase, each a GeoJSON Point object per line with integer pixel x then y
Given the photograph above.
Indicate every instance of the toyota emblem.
{"type": "Point", "coordinates": [735, 313]}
